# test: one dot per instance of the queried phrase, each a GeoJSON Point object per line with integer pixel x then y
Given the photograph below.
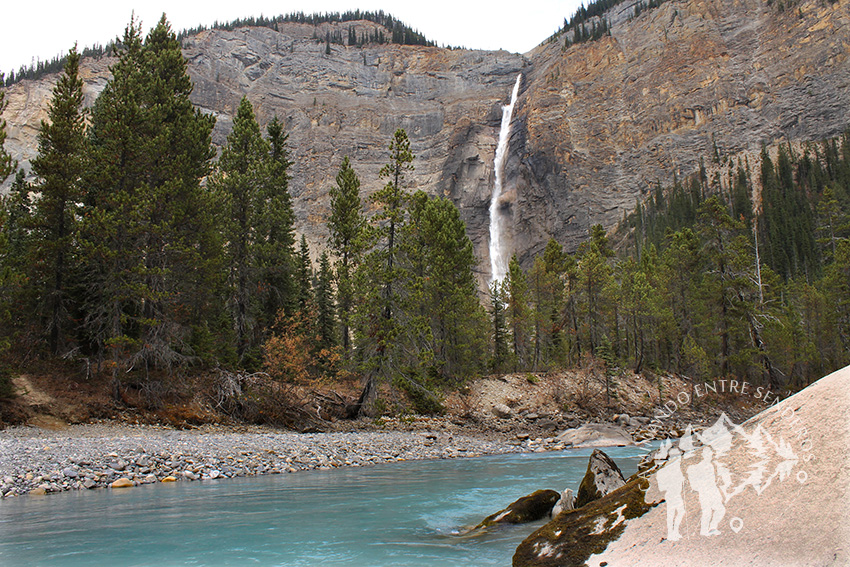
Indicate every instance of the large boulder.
{"type": "Point", "coordinates": [573, 536]}
{"type": "Point", "coordinates": [596, 435]}
{"type": "Point", "coordinates": [533, 507]}
{"type": "Point", "coordinates": [603, 476]}
{"type": "Point", "coordinates": [793, 514]}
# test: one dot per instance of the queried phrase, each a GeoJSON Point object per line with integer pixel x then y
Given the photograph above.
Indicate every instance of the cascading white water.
{"type": "Point", "coordinates": [498, 263]}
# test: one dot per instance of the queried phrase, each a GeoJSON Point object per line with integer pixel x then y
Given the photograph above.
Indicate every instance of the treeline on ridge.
{"type": "Point", "coordinates": [400, 33]}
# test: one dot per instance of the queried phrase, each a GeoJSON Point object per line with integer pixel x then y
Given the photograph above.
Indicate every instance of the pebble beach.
{"type": "Point", "coordinates": [39, 461]}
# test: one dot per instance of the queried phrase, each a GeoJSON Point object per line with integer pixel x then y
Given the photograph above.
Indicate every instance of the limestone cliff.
{"type": "Point", "coordinates": [594, 125]}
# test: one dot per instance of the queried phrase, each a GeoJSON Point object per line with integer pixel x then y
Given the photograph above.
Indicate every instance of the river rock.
{"type": "Point", "coordinates": [38, 491]}
{"type": "Point", "coordinates": [122, 482]}
{"type": "Point", "coordinates": [502, 411]}
{"type": "Point", "coordinates": [571, 537]}
{"type": "Point", "coordinates": [70, 473]}
{"type": "Point", "coordinates": [603, 476]}
{"type": "Point", "coordinates": [529, 508]}
{"type": "Point", "coordinates": [169, 478]}
{"type": "Point", "coordinates": [566, 502]}
{"type": "Point", "coordinates": [596, 435]}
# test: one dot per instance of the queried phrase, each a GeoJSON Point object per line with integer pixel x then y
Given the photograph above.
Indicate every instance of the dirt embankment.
{"type": "Point", "coordinates": [516, 406]}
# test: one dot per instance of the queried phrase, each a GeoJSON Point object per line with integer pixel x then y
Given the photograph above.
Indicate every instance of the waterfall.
{"type": "Point", "coordinates": [498, 262]}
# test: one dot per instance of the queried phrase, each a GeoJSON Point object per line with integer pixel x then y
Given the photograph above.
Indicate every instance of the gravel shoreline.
{"type": "Point", "coordinates": [39, 461]}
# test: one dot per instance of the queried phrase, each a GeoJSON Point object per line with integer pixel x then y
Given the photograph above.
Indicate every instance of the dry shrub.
{"type": "Point", "coordinates": [257, 398]}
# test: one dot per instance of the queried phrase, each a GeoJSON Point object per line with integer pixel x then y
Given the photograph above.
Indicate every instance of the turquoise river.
{"type": "Point", "coordinates": [399, 514]}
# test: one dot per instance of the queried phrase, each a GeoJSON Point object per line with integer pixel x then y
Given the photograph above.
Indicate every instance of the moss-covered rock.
{"type": "Point", "coordinates": [535, 506]}
{"type": "Point", "coordinates": [573, 536]}
{"type": "Point", "coordinates": [603, 476]}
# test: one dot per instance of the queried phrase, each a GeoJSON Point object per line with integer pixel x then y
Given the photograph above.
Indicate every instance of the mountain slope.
{"type": "Point", "coordinates": [594, 125]}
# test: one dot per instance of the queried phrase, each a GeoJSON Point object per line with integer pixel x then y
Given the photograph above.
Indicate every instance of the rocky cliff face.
{"type": "Point", "coordinates": [602, 121]}
{"type": "Point", "coordinates": [594, 125]}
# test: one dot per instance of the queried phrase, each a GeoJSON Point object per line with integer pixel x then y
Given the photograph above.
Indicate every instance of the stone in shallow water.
{"type": "Point", "coordinates": [603, 476]}
{"type": "Point", "coordinates": [122, 482]}
{"type": "Point", "coordinates": [527, 509]}
{"type": "Point", "coordinates": [169, 478]}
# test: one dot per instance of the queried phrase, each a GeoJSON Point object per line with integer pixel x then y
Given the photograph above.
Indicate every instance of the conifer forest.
{"type": "Point", "coordinates": [142, 252]}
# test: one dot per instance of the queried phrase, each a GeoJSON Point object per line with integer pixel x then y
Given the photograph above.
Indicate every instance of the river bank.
{"type": "Point", "coordinates": [496, 415]}
{"type": "Point", "coordinates": [37, 461]}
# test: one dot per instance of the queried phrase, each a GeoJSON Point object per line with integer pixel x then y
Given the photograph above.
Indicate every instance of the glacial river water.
{"type": "Point", "coordinates": [399, 514]}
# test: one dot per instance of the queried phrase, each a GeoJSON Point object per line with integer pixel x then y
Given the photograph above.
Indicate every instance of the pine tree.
{"type": "Point", "coordinates": [59, 167]}
{"type": "Point", "coordinates": [379, 274]}
{"type": "Point", "coordinates": [594, 278]}
{"type": "Point", "coordinates": [498, 321]}
{"type": "Point", "coordinates": [391, 199]}
{"type": "Point", "coordinates": [556, 263]}
{"type": "Point", "coordinates": [304, 277]}
{"type": "Point", "coordinates": [146, 215]}
{"type": "Point", "coordinates": [450, 292]}
{"type": "Point", "coordinates": [346, 225]}
{"type": "Point", "coordinates": [516, 288]}
{"type": "Point", "coordinates": [240, 180]}
{"type": "Point", "coordinates": [275, 233]}
{"type": "Point", "coordinates": [325, 317]}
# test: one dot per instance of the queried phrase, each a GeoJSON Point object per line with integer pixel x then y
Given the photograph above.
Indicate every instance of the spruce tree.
{"type": "Point", "coordinates": [325, 312]}
{"type": "Point", "coordinates": [59, 168]}
{"type": "Point", "coordinates": [239, 180]}
{"type": "Point", "coordinates": [346, 225]}
{"type": "Point", "coordinates": [275, 232]}
{"type": "Point", "coordinates": [147, 217]}
{"type": "Point", "coordinates": [304, 277]}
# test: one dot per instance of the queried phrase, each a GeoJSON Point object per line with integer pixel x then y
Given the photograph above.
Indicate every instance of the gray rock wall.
{"type": "Point", "coordinates": [594, 127]}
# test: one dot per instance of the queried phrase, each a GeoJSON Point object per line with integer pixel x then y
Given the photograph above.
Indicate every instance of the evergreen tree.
{"type": "Point", "coordinates": [498, 320]}
{"type": "Point", "coordinates": [59, 166]}
{"type": "Point", "coordinates": [450, 292]}
{"type": "Point", "coordinates": [275, 233]}
{"type": "Point", "coordinates": [391, 199]}
{"type": "Point", "coordinates": [147, 216]}
{"type": "Point", "coordinates": [594, 274]}
{"type": "Point", "coordinates": [325, 316]}
{"type": "Point", "coordinates": [346, 225]}
{"type": "Point", "coordinates": [379, 275]}
{"type": "Point", "coordinates": [240, 181]}
{"type": "Point", "coordinates": [304, 277]}
{"type": "Point", "coordinates": [516, 286]}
